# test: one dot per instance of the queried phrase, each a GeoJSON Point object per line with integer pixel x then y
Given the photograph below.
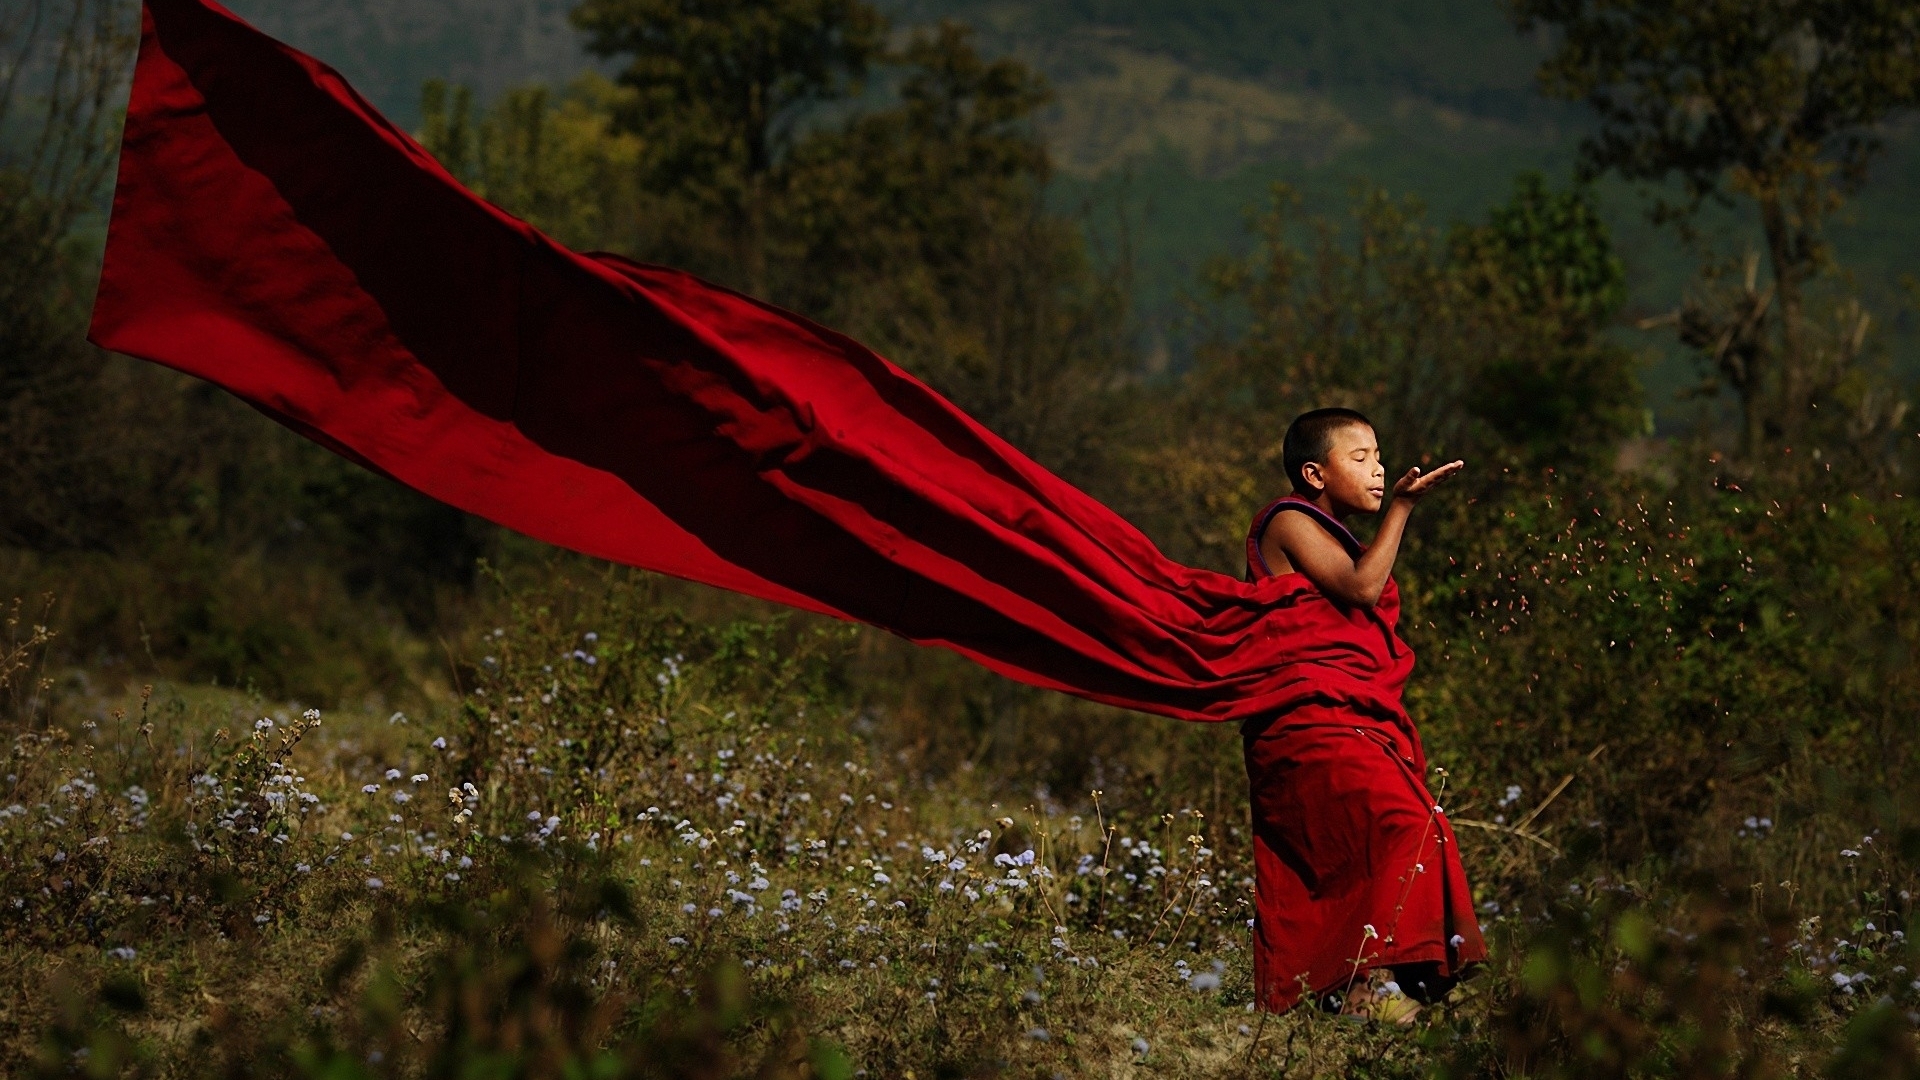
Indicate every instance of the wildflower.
{"type": "Point", "coordinates": [440, 743]}
{"type": "Point", "coordinates": [263, 724]}
{"type": "Point", "coordinates": [451, 876]}
{"type": "Point", "coordinates": [370, 789]}
{"type": "Point", "coordinates": [312, 715]}
{"type": "Point", "coordinates": [1205, 981]}
{"type": "Point", "coordinates": [1140, 1046]}
{"type": "Point", "coordinates": [1368, 931]}
{"type": "Point", "coordinates": [401, 796]}
{"type": "Point", "coordinates": [122, 952]}
{"type": "Point", "coordinates": [688, 909]}
{"type": "Point", "coordinates": [303, 868]}
{"type": "Point", "coordinates": [1456, 941]}
{"type": "Point", "coordinates": [347, 837]}
{"type": "Point", "coordinates": [375, 883]}
{"type": "Point", "coordinates": [394, 774]}
{"type": "Point", "coordinates": [419, 778]}
{"type": "Point", "coordinates": [1039, 1034]}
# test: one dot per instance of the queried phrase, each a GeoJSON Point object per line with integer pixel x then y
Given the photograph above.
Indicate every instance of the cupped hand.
{"type": "Point", "coordinates": [1417, 483]}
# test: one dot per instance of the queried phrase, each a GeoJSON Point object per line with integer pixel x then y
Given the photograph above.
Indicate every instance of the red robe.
{"type": "Point", "coordinates": [1355, 865]}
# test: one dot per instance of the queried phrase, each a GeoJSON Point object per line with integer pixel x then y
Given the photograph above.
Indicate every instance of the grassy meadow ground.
{"type": "Point", "coordinates": [643, 832]}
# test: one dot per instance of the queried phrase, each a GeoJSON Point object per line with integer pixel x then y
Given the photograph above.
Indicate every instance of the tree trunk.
{"type": "Point", "coordinates": [1784, 396]}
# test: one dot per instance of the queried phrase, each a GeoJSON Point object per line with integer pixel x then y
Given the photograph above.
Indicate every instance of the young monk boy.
{"type": "Point", "coordinates": [1360, 898]}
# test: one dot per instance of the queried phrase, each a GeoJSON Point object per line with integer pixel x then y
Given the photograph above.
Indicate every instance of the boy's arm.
{"type": "Point", "coordinates": [1339, 576]}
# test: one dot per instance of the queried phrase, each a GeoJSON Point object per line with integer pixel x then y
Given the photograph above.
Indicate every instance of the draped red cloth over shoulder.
{"type": "Point", "coordinates": [1355, 865]}
{"type": "Point", "coordinates": [275, 235]}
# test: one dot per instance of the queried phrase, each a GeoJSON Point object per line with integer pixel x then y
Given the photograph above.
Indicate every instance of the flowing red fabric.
{"type": "Point", "coordinates": [273, 234]}
{"type": "Point", "coordinates": [1355, 865]}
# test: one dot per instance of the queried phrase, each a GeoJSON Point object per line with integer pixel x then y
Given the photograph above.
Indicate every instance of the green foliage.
{"type": "Point", "coordinates": [1554, 386]}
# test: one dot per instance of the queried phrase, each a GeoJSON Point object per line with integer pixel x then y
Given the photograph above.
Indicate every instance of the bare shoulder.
{"type": "Point", "coordinates": [1293, 541]}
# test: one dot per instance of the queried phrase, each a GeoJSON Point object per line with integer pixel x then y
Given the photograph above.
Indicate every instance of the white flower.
{"type": "Point", "coordinates": [370, 789]}
{"type": "Point", "coordinates": [440, 743]}
{"type": "Point", "coordinates": [420, 778]}
{"type": "Point", "coordinates": [123, 952]}
{"type": "Point", "coordinates": [1140, 1046]}
{"type": "Point", "coordinates": [375, 883]}
{"type": "Point", "coordinates": [1368, 931]}
{"type": "Point", "coordinates": [401, 796]}
{"type": "Point", "coordinates": [394, 774]}
{"type": "Point", "coordinates": [1205, 981]}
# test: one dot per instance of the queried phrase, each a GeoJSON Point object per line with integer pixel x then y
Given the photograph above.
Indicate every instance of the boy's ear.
{"type": "Point", "coordinates": [1314, 475]}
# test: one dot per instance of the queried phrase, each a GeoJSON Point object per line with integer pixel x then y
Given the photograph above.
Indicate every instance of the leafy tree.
{"type": "Point", "coordinates": [723, 87]}
{"type": "Point", "coordinates": [1776, 103]}
{"type": "Point", "coordinates": [1553, 386]}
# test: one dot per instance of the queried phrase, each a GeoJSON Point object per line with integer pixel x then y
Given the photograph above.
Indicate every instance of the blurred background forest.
{"type": "Point", "coordinates": [1647, 267]}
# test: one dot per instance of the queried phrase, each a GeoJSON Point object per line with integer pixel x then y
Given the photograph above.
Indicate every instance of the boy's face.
{"type": "Point", "coordinates": [1352, 477]}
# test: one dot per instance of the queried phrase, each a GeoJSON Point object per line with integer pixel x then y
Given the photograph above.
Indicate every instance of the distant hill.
{"type": "Point", "coordinates": [1183, 112]}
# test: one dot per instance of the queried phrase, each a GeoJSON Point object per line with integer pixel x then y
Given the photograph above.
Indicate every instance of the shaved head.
{"type": "Point", "coordinates": [1310, 437]}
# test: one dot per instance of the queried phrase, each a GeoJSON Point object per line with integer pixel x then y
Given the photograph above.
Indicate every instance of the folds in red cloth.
{"type": "Point", "coordinates": [275, 235]}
